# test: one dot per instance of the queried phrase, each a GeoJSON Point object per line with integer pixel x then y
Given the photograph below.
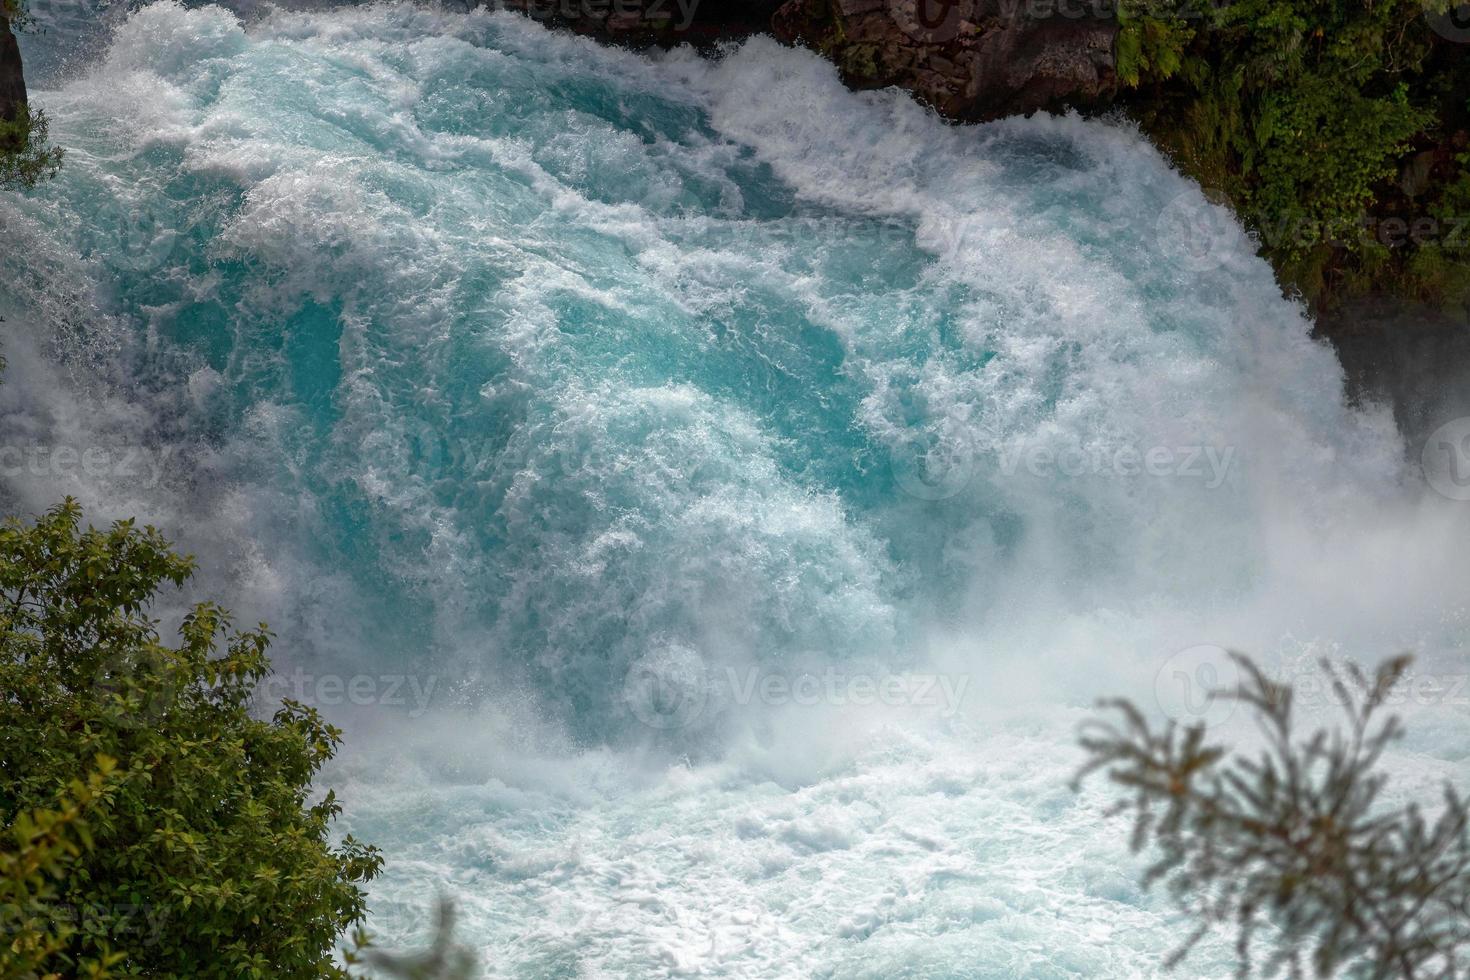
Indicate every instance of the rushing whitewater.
{"type": "Point", "coordinates": [743, 485]}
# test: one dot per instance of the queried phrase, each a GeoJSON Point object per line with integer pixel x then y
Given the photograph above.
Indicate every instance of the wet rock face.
{"type": "Point", "coordinates": [12, 79]}
{"type": "Point", "coordinates": [970, 59]}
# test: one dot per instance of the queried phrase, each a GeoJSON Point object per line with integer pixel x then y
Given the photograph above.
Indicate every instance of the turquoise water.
{"type": "Point", "coordinates": [578, 387]}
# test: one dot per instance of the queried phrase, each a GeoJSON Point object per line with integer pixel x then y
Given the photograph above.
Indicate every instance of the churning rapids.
{"type": "Point", "coordinates": [727, 492]}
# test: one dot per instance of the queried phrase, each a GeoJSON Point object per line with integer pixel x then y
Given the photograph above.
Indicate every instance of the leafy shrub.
{"type": "Point", "coordinates": [1303, 113]}
{"type": "Point", "coordinates": [26, 156]}
{"type": "Point", "coordinates": [43, 844]}
{"type": "Point", "coordinates": [1293, 846]}
{"type": "Point", "coordinates": [202, 840]}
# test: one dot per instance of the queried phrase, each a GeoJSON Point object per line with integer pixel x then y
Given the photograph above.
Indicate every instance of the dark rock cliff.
{"type": "Point", "coordinates": [970, 59]}
{"type": "Point", "coordinates": [12, 78]}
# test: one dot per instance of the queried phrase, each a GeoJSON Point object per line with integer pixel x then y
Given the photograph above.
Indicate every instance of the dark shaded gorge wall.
{"type": "Point", "coordinates": [970, 59]}
{"type": "Point", "coordinates": [12, 76]}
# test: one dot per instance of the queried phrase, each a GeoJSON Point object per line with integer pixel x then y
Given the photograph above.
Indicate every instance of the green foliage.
{"type": "Point", "coordinates": [1441, 268]}
{"type": "Point", "coordinates": [1293, 847]}
{"type": "Point", "coordinates": [1149, 46]}
{"type": "Point", "coordinates": [26, 156]}
{"type": "Point", "coordinates": [43, 844]}
{"type": "Point", "coordinates": [1301, 112]}
{"type": "Point", "coordinates": [1320, 149]}
{"type": "Point", "coordinates": [203, 842]}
